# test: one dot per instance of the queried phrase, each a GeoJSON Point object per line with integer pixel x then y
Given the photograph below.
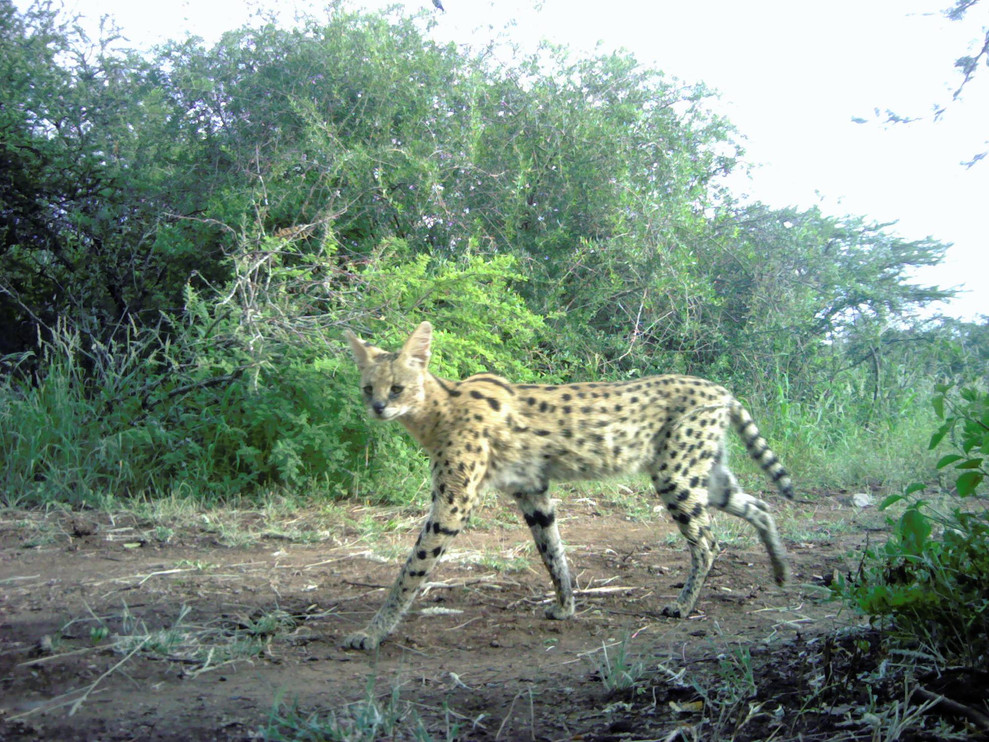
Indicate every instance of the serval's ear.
{"type": "Point", "coordinates": [363, 353]}
{"type": "Point", "coordinates": [416, 348]}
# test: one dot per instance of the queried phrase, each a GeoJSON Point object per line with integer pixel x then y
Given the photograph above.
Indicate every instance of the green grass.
{"type": "Point", "coordinates": [366, 720]}
{"type": "Point", "coordinates": [824, 450]}
{"type": "Point", "coordinates": [198, 646]}
{"type": "Point", "coordinates": [618, 672]}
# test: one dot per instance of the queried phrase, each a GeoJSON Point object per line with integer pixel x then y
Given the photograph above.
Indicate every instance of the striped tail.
{"type": "Point", "coordinates": [759, 450]}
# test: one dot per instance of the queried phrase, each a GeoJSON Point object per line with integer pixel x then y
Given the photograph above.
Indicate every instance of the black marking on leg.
{"type": "Point", "coordinates": [544, 520]}
{"type": "Point", "coordinates": [437, 528]}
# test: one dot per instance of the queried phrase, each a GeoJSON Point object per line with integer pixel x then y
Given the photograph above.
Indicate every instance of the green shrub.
{"type": "Point", "coordinates": [251, 390]}
{"type": "Point", "coordinates": [932, 576]}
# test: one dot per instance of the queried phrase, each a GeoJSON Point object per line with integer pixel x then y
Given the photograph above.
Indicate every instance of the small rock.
{"type": "Point", "coordinates": [862, 500]}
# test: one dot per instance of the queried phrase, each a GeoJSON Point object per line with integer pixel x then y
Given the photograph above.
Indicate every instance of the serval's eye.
{"type": "Point", "coordinates": [396, 390]}
{"type": "Point", "coordinates": [369, 390]}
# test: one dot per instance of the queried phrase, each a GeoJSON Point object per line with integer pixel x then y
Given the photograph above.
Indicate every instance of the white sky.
{"type": "Point", "coordinates": [791, 73]}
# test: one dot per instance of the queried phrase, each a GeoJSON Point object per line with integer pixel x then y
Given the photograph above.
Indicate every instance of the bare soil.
{"type": "Point", "coordinates": [116, 628]}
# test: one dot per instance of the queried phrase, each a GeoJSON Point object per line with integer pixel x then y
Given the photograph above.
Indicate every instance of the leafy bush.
{"type": "Point", "coordinates": [932, 576]}
{"type": "Point", "coordinates": [250, 389]}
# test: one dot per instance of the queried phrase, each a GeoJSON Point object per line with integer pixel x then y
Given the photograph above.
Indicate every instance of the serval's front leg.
{"type": "Point", "coordinates": [446, 518]}
{"type": "Point", "coordinates": [688, 506]}
{"type": "Point", "coordinates": [540, 516]}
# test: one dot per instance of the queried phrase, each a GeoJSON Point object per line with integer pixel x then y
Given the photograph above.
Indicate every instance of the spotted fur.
{"type": "Point", "coordinates": [484, 431]}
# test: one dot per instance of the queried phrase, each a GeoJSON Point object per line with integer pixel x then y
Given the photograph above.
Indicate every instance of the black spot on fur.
{"type": "Point", "coordinates": [437, 528]}
{"type": "Point", "coordinates": [544, 520]}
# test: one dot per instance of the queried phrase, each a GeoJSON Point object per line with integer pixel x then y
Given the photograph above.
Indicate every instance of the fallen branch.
{"type": "Point", "coordinates": [953, 707]}
{"type": "Point", "coordinates": [609, 589]}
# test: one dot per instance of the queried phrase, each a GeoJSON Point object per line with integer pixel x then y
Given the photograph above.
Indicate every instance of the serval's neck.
{"type": "Point", "coordinates": [427, 422]}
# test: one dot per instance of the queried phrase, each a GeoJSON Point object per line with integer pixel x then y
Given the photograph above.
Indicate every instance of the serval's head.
{"type": "Point", "coordinates": [393, 384]}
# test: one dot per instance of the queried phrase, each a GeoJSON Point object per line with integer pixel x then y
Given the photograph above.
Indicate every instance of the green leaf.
{"type": "Point", "coordinates": [949, 459]}
{"type": "Point", "coordinates": [969, 464]}
{"type": "Point", "coordinates": [967, 482]}
{"type": "Point", "coordinates": [938, 403]}
{"type": "Point", "coordinates": [893, 499]}
{"type": "Point", "coordinates": [914, 529]}
{"type": "Point", "coordinates": [939, 434]}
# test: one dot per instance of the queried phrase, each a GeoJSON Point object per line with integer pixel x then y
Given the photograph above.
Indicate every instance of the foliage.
{"type": "Point", "coordinates": [184, 234]}
{"type": "Point", "coordinates": [232, 399]}
{"type": "Point", "coordinates": [618, 673]}
{"type": "Point", "coordinates": [931, 576]}
{"type": "Point", "coordinates": [966, 424]}
{"type": "Point", "coordinates": [92, 156]}
{"type": "Point", "coordinates": [365, 720]}
{"type": "Point", "coordinates": [968, 64]}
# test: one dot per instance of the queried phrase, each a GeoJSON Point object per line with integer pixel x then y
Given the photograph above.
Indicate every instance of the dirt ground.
{"type": "Point", "coordinates": [228, 628]}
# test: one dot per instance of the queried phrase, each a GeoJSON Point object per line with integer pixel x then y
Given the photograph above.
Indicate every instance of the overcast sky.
{"type": "Point", "coordinates": [793, 77]}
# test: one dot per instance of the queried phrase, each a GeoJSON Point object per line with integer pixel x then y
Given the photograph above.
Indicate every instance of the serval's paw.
{"type": "Point", "coordinates": [361, 640]}
{"type": "Point", "coordinates": [558, 612]}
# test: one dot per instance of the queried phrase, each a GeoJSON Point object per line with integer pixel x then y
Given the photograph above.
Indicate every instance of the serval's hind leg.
{"type": "Point", "coordinates": [726, 495]}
